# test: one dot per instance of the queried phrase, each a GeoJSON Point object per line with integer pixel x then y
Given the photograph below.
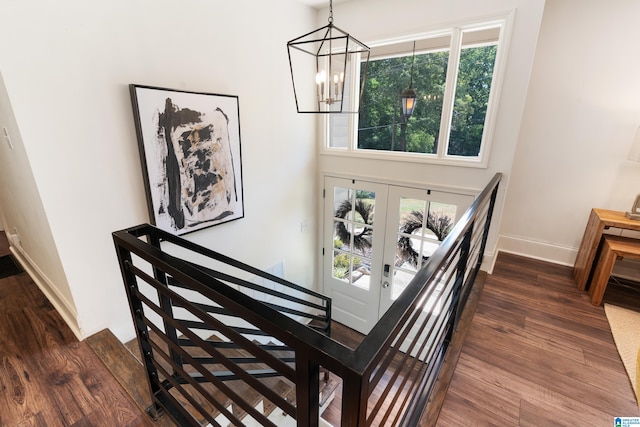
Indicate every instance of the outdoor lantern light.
{"type": "Point", "coordinates": [323, 65]}
{"type": "Point", "coordinates": [408, 96]}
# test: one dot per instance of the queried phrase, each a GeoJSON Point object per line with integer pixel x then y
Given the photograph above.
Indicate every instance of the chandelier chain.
{"type": "Point", "coordinates": [330, 11]}
{"type": "Point", "coordinates": [413, 61]}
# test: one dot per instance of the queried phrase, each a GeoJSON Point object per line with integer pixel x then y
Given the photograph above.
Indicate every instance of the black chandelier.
{"type": "Point", "coordinates": [334, 57]}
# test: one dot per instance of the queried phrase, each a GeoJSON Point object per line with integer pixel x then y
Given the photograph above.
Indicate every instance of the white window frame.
{"type": "Point", "coordinates": [503, 23]}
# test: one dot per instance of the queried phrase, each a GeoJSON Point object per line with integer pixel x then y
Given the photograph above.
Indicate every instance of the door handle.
{"type": "Point", "coordinates": [385, 285]}
{"type": "Point", "coordinates": [385, 270]}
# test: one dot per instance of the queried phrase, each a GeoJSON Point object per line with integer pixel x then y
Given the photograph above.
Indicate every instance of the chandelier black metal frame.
{"type": "Point", "coordinates": [330, 53]}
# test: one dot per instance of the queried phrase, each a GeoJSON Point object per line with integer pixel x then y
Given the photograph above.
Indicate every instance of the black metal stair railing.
{"type": "Point", "coordinates": [224, 343]}
{"type": "Point", "coordinates": [399, 360]}
{"type": "Point", "coordinates": [180, 307]}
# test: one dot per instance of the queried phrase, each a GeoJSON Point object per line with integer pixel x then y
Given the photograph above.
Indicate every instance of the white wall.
{"type": "Point", "coordinates": [25, 219]}
{"type": "Point", "coordinates": [373, 20]}
{"type": "Point", "coordinates": [582, 112]}
{"type": "Point", "coordinates": [66, 69]}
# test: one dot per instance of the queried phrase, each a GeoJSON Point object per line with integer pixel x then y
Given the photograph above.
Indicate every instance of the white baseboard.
{"type": "Point", "coordinates": [488, 262]}
{"type": "Point", "coordinates": [556, 254]}
{"type": "Point", "coordinates": [66, 309]}
{"type": "Point", "coordinates": [625, 268]}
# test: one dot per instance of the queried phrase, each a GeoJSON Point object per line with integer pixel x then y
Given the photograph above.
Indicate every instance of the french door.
{"type": "Point", "coordinates": [354, 213]}
{"type": "Point", "coordinates": [376, 237]}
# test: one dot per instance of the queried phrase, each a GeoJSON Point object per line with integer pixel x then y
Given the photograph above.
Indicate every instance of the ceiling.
{"type": "Point", "coordinates": [318, 4]}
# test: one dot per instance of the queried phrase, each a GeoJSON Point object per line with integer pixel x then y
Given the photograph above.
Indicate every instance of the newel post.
{"type": "Point", "coordinates": [354, 400]}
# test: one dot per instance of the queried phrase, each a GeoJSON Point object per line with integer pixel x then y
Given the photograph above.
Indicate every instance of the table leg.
{"type": "Point", "coordinates": [588, 250]}
{"type": "Point", "coordinates": [601, 276]}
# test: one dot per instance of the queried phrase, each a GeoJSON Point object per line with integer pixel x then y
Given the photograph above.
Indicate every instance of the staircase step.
{"type": "Point", "coordinates": [250, 396]}
{"type": "Point", "coordinates": [120, 361]}
{"type": "Point", "coordinates": [217, 394]}
{"type": "Point", "coordinates": [284, 389]}
{"type": "Point", "coordinates": [329, 383]}
{"type": "Point", "coordinates": [127, 370]}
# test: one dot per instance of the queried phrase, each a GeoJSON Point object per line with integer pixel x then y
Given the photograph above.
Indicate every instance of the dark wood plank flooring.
{"type": "Point", "coordinates": [48, 377]}
{"type": "Point", "coordinates": [538, 353]}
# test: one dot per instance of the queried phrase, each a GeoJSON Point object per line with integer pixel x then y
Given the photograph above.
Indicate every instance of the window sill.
{"type": "Point", "coordinates": [474, 162]}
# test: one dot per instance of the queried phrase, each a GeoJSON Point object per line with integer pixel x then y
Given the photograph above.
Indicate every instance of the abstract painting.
{"type": "Point", "coordinates": [189, 146]}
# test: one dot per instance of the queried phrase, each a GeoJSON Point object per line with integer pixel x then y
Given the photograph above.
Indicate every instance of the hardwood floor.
{"type": "Point", "coordinates": [47, 377]}
{"type": "Point", "coordinates": [537, 354]}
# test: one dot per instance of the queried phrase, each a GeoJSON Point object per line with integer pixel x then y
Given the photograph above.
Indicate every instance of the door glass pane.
{"type": "Point", "coordinates": [340, 232]}
{"type": "Point", "coordinates": [341, 265]}
{"type": "Point", "coordinates": [360, 272]}
{"type": "Point", "coordinates": [411, 225]}
{"type": "Point", "coordinates": [441, 219]}
{"type": "Point", "coordinates": [353, 235]}
{"type": "Point", "coordinates": [365, 205]}
{"type": "Point", "coordinates": [340, 196]}
{"type": "Point", "coordinates": [409, 206]}
{"type": "Point", "coordinates": [418, 237]}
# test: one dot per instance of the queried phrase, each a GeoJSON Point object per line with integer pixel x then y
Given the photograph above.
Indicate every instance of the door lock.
{"type": "Point", "coordinates": [386, 269]}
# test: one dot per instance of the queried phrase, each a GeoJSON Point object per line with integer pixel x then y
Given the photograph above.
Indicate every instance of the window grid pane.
{"type": "Point", "coordinates": [472, 97]}
{"type": "Point", "coordinates": [381, 125]}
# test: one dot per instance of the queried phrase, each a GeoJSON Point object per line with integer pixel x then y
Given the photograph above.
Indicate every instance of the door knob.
{"type": "Point", "coordinates": [385, 285]}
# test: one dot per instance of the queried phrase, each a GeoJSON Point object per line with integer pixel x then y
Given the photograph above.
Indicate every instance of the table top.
{"type": "Point", "coordinates": [616, 219]}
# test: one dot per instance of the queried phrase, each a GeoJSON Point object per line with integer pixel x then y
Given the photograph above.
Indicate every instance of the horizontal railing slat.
{"type": "Point", "coordinates": [219, 383]}
{"type": "Point", "coordinates": [246, 344]}
{"type": "Point", "coordinates": [232, 345]}
{"type": "Point", "coordinates": [335, 356]}
{"type": "Point", "coordinates": [246, 284]}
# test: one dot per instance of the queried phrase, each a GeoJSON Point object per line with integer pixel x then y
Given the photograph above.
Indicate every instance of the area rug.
{"type": "Point", "coordinates": [8, 266]}
{"type": "Point", "coordinates": [625, 328]}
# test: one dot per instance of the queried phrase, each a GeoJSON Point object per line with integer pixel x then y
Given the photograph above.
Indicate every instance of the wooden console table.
{"type": "Point", "coordinates": [599, 220]}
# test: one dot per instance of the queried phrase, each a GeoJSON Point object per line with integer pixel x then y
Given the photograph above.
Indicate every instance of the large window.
{"type": "Point", "coordinates": [454, 74]}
